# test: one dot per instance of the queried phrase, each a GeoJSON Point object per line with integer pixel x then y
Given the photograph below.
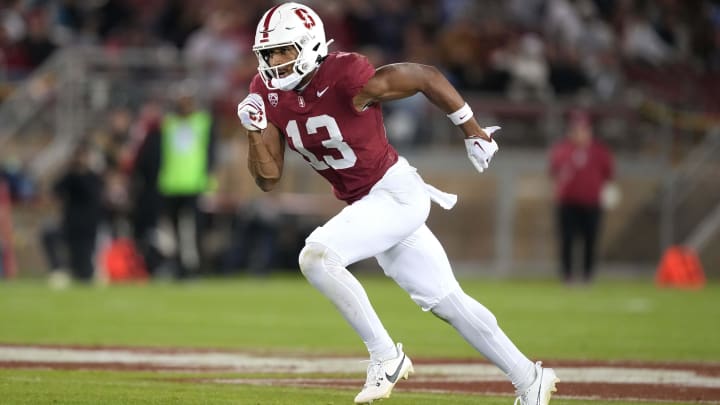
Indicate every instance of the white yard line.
{"type": "Point", "coordinates": [271, 364]}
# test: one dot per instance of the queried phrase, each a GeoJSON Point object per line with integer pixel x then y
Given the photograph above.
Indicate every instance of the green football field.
{"type": "Point", "coordinates": [611, 320]}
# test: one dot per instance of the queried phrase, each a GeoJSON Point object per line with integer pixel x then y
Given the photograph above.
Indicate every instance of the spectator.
{"type": "Point", "coordinates": [115, 147]}
{"type": "Point", "coordinates": [20, 184]}
{"type": "Point", "coordinates": [458, 53]}
{"type": "Point", "coordinates": [69, 18]}
{"type": "Point", "coordinates": [12, 21]}
{"type": "Point", "coordinates": [186, 159]}
{"type": "Point", "coordinates": [217, 48]}
{"type": "Point", "coordinates": [642, 43]}
{"type": "Point", "coordinates": [177, 21]}
{"type": "Point", "coordinates": [562, 23]}
{"type": "Point", "coordinates": [144, 194]}
{"type": "Point", "coordinates": [337, 23]}
{"type": "Point", "coordinates": [388, 26]}
{"type": "Point", "coordinates": [117, 136]}
{"type": "Point", "coordinates": [14, 61]}
{"type": "Point", "coordinates": [360, 15]}
{"type": "Point", "coordinates": [113, 15]}
{"type": "Point", "coordinates": [596, 51]}
{"type": "Point", "coordinates": [526, 63]}
{"type": "Point", "coordinates": [37, 44]}
{"type": "Point", "coordinates": [580, 166]}
{"type": "Point", "coordinates": [80, 191]}
{"type": "Point", "coordinates": [566, 75]}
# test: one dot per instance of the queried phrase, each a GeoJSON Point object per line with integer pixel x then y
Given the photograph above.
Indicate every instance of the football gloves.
{"type": "Point", "coordinates": [251, 112]}
{"type": "Point", "coordinates": [481, 151]}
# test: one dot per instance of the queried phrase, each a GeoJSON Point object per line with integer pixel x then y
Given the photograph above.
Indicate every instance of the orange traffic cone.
{"type": "Point", "coordinates": [680, 267]}
{"type": "Point", "coordinates": [122, 262]}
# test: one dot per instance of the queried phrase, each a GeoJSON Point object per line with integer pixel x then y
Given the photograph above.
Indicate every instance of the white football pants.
{"type": "Point", "coordinates": [389, 224]}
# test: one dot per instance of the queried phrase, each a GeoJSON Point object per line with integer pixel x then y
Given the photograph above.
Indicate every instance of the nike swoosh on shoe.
{"type": "Point", "coordinates": [392, 378]}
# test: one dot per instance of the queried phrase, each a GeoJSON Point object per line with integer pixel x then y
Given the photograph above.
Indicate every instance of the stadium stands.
{"type": "Point", "coordinates": [648, 73]}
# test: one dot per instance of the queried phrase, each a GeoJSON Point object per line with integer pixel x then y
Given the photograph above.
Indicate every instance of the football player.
{"type": "Point", "coordinates": [326, 107]}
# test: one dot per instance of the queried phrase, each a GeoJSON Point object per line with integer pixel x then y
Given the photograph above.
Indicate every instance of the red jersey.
{"type": "Point", "coordinates": [580, 172]}
{"type": "Point", "coordinates": [349, 148]}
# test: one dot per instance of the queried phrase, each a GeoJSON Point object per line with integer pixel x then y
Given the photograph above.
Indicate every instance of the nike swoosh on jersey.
{"type": "Point", "coordinates": [392, 378]}
{"type": "Point", "coordinates": [321, 92]}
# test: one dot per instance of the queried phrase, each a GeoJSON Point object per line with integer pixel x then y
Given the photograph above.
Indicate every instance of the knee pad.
{"type": "Point", "coordinates": [316, 257]}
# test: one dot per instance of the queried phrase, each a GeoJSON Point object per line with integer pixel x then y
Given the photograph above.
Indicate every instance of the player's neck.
{"type": "Point", "coordinates": [305, 82]}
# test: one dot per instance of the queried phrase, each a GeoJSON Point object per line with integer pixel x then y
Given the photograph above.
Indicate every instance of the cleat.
{"type": "Point", "coordinates": [382, 377]}
{"type": "Point", "coordinates": [541, 390]}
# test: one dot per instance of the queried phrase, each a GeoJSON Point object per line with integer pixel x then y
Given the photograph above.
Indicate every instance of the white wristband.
{"type": "Point", "coordinates": [462, 115]}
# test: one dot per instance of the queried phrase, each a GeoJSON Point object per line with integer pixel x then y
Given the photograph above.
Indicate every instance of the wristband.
{"type": "Point", "coordinates": [461, 116]}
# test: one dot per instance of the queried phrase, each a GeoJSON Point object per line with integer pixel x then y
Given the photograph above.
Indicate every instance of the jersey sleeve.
{"type": "Point", "coordinates": [257, 85]}
{"type": "Point", "coordinates": [356, 71]}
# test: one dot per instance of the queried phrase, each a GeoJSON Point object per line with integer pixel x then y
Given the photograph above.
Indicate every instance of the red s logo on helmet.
{"type": "Point", "coordinates": [305, 17]}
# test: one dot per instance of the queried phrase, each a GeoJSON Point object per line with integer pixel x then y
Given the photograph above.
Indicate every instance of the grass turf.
{"type": "Point", "coordinates": [609, 320]}
{"type": "Point", "coordinates": [34, 387]}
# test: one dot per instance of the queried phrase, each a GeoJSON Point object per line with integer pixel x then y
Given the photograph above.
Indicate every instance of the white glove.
{"type": "Point", "coordinates": [251, 112]}
{"type": "Point", "coordinates": [481, 151]}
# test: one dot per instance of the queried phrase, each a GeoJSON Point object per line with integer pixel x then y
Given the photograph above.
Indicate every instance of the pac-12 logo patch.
{"type": "Point", "coordinates": [273, 99]}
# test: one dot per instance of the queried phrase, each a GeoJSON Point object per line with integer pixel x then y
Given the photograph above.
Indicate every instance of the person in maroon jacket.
{"type": "Point", "coordinates": [580, 166]}
{"type": "Point", "coordinates": [326, 106]}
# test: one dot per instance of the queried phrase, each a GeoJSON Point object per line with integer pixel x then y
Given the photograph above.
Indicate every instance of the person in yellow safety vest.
{"type": "Point", "coordinates": [186, 163]}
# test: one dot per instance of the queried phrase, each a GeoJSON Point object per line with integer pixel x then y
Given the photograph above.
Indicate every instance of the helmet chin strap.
{"type": "Point", "coordinates": [286, 83]}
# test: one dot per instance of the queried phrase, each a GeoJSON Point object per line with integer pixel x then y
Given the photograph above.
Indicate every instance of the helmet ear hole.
{"type": "Point", "coordinates": [304, 67]}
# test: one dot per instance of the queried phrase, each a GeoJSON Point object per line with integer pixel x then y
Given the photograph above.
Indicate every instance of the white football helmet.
{"type": "Point", "coordinates": [290, 24]}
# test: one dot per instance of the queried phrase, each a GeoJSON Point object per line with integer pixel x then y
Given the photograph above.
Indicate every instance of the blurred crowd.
{"type": "Point", "coordinates": [138, 197]}
{"type": "Point", "coordinates": [523, 48]}
{"type": "Point", "coordinates": [154, 190]}
{"type": "Point", "coordinates": [534, 50]}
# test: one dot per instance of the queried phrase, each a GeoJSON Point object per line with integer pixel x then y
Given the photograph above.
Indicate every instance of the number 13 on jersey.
{"type": "Point", "coordinates": [335, 141]}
